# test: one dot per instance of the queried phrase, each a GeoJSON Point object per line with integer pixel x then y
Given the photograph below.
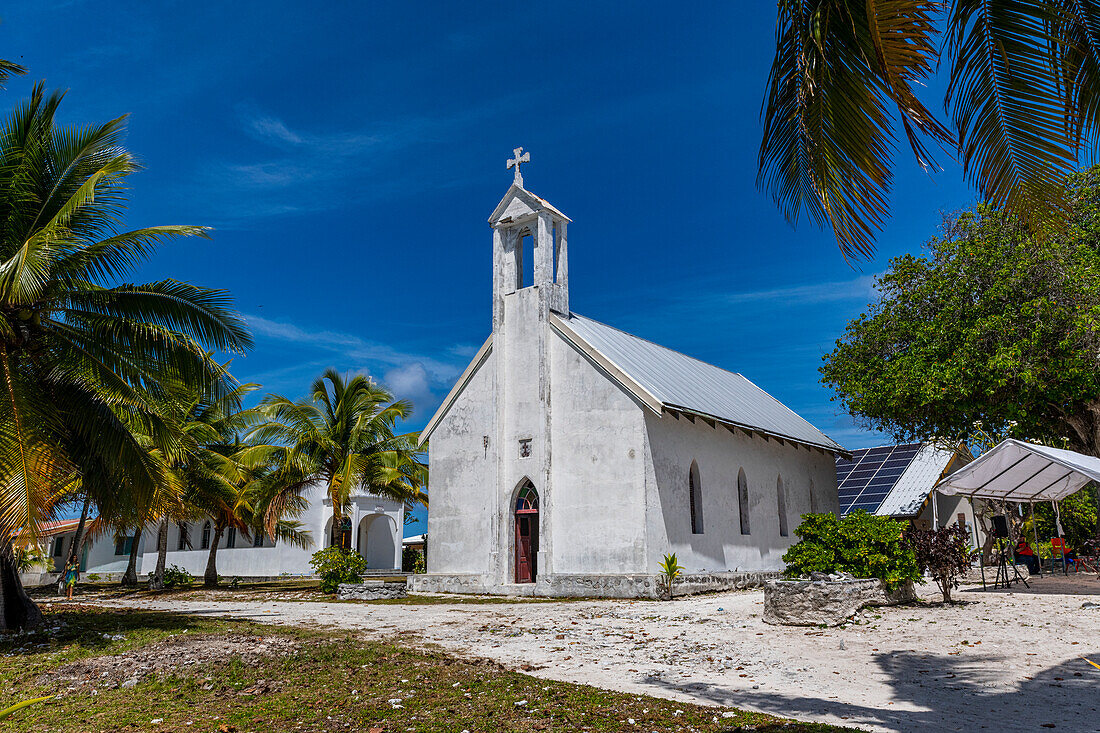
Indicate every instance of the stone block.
{"type": "Point", "coordinates": [826, 602]}
{"type": "Point", "coordinates": [371, 591]}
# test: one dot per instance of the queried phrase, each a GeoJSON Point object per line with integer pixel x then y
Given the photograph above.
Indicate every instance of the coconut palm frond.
{"type": "Point", "coordinates": [1008, 107]}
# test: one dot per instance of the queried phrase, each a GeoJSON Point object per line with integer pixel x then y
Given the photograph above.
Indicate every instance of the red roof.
{"type": "Point", "coordinates": [61, 526]}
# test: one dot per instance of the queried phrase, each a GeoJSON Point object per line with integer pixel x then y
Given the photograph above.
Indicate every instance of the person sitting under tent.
{"type": "Point", "coordinates": [1026, 556]}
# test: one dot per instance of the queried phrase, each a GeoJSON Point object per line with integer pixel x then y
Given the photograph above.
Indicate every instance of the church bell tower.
{"type": "Point", "coordinates": [530, 282]}
{"type": "Point", "coordinates": [530, 248]}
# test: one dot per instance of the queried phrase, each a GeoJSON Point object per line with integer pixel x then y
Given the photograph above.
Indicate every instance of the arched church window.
{"type": "Point", "coordinates": [206, 536]}
{"type": "Point", "coordinates": [528, 499]}
{"type": "Point", "coordinates": [743, 501]}
{"type": "Point", "coordinates": [781, 505]}
{"type": "Point", "coordinates": [695, 499]}
{"type": "Point", "coordinates": [813, 498]}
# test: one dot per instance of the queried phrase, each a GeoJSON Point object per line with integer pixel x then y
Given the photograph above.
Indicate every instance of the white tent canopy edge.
{"type": "Point", "coordinates": [1022, 472]}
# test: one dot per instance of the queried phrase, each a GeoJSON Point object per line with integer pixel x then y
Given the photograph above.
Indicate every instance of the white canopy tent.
{"type": "Point", "coordinates": [1024, 473]}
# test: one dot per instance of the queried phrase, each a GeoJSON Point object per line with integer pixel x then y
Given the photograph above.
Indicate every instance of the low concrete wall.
{"type": "Point", "coordinates": [33, 580]}
{"type": "Point", "coordinates": [376, 591]}
{"type": "Point", "coordinates": [827, 602]}
{"type": "Point", "coordinates": [589, 586]}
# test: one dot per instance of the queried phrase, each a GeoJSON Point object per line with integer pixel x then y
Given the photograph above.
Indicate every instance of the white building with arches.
{"type": "Point", "coordinates": [570, 456]}
{"type": "Point", "coordinates": [374, 527]}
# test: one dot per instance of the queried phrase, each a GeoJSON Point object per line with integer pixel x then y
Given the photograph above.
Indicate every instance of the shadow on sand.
{"type": "Point", "coordinates": [951, 692]}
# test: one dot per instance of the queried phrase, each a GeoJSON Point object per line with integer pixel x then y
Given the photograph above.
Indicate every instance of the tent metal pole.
{"type": "Point", "coordinates": [1035, 534]}
{"type": "Point", "coordinates": [1061, 534]}
{"type": "Point", "coordinates": [981, 565]}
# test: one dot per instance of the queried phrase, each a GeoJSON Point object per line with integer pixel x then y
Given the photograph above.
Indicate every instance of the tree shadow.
{"type": "Point", "coordinates": [1078, 584]}
{"type": "Point", "coordinates": [93, 628]}
{"type": "Point", "coordinates": [950, 692]}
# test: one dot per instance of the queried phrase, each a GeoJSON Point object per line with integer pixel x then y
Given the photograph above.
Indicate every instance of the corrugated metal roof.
{"type": "Point", "coordinates": [682, 383]}
{"type": "Point", "coordinates": [914, 486]}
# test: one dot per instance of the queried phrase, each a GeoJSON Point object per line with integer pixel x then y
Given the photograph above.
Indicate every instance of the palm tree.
{"type": "Point", "coordinates": [1023, 97]}
{"type": "Point", "coordinates": [237, 496]}
{"type": "Point", "coordinates": [342, 435]}
{"type": "Point", "coordinates": [82, 358]}
{"type": "Point", "coordinates": [202, 425]}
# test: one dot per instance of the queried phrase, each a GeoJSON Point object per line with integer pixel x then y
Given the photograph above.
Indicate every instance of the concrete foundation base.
{"type": "Point", "coordinates": [589, 586]}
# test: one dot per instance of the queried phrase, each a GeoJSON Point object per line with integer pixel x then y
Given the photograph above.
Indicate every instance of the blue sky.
{"type": "Point", "coordinates": [348, 155]}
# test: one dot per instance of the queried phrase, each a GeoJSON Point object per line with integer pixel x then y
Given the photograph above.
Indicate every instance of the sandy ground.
{"type": "Point", "coordinates": [1005, 660]}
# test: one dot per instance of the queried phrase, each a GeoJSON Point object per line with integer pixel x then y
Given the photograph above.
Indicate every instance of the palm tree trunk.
{"type": "Point", "coordinates": [129, 579]}
{"type": "Point", "coordinates": [210, 578]}
{"type": "Point", "coordinates": [17, 610]}
{"type": "Point", "coordinates": [76, 546]}
{"type": "Point", "coordinates": [156, 580]}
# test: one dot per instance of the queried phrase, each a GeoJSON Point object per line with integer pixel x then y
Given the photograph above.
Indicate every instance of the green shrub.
{"type": "Point", "coordinates": [412, 560]}
{"type": "Point", "coordinates": [862, 544]}
{"type": "Point", "coordinates": [336, 565]}
{"type": "Point", "coordinates": [177, 577]}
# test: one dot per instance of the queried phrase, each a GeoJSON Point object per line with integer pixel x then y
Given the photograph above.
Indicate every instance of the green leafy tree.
{"type": "Point", "coordinates": [1079, 520]}
{"type": "Point", "coordinates": [862, 544]}
{"type": "Point", "coordinates": [80, 355]}
{"type": "Point", "coordinates": [343, 436]}
{"type": "Point", "coordinates": [1023, 97]}
{"type": "Point", "coordinates": [992, 327]}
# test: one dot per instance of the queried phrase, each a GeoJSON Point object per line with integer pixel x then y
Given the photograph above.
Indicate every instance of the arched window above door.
{"type": "Point", "coordinates": [527, 500]}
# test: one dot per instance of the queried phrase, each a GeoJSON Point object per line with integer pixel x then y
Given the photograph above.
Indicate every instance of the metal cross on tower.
{"type": "Point", "coordinates": [515, 162]}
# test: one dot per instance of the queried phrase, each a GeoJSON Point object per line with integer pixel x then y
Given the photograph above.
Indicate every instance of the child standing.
{"type": "Point", "coordinates": [71, 571]}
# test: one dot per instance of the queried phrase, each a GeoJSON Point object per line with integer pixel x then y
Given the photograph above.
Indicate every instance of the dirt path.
{"type": "Point", "coordinates": [1004, 661]}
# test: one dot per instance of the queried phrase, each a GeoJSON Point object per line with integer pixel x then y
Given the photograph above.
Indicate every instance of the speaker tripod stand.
{"type": "Point", "coordinates": [1003, 580]}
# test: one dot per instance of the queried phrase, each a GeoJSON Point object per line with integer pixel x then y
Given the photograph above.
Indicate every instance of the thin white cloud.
{"type": "Point", "coordinates": [355, 351]}
{"type": "Point", "coordinates": [860, 288]}
{"type": "Point", "coordinates": [272, 128]}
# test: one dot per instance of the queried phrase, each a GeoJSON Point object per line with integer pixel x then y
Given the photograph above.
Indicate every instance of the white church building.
{"type": "Point", "coordinates": [570, 457]}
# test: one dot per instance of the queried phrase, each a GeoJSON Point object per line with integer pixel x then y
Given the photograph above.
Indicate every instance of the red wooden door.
{"type": "Point", "coordinates": [526, 547]}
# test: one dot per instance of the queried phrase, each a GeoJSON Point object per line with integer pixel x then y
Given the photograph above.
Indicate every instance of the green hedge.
{"type": "Point", "coordinates": [862, 544]}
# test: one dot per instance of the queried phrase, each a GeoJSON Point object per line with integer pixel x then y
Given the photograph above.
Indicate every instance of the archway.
{"type": "Point", "coordinates": [527, 532]}
{"type": "Point", "coordinates": [377, 543]}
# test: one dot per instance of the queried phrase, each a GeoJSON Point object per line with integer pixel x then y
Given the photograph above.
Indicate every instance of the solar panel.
{"type": "Point", "coordinates": [866, 480]}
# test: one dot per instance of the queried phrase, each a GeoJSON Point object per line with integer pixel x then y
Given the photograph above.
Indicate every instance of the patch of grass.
{"type": "Point", "coordinates": [336, 682]}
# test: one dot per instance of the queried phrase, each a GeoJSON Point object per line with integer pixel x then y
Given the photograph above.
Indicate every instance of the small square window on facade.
{"type": "Point", "coordinates": [525, 448]}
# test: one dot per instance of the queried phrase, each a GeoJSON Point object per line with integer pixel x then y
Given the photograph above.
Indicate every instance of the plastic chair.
{"type": "Point", "coordinates": [1057, 547]}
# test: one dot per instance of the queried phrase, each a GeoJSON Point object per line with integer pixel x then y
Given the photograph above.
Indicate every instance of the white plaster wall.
{"type": "Point", "coordinates": [719, 452]}
{"type": "Point", "coordinates": [462, 478]}
{"type": "Point", "coordinates": [279, 558]}
{"type": "Point", "coordinates": [949, 508]}
{"type": "Point", "coordinates": [101, 557]}
{"type": "Point", "coordinates": [596, 513]}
